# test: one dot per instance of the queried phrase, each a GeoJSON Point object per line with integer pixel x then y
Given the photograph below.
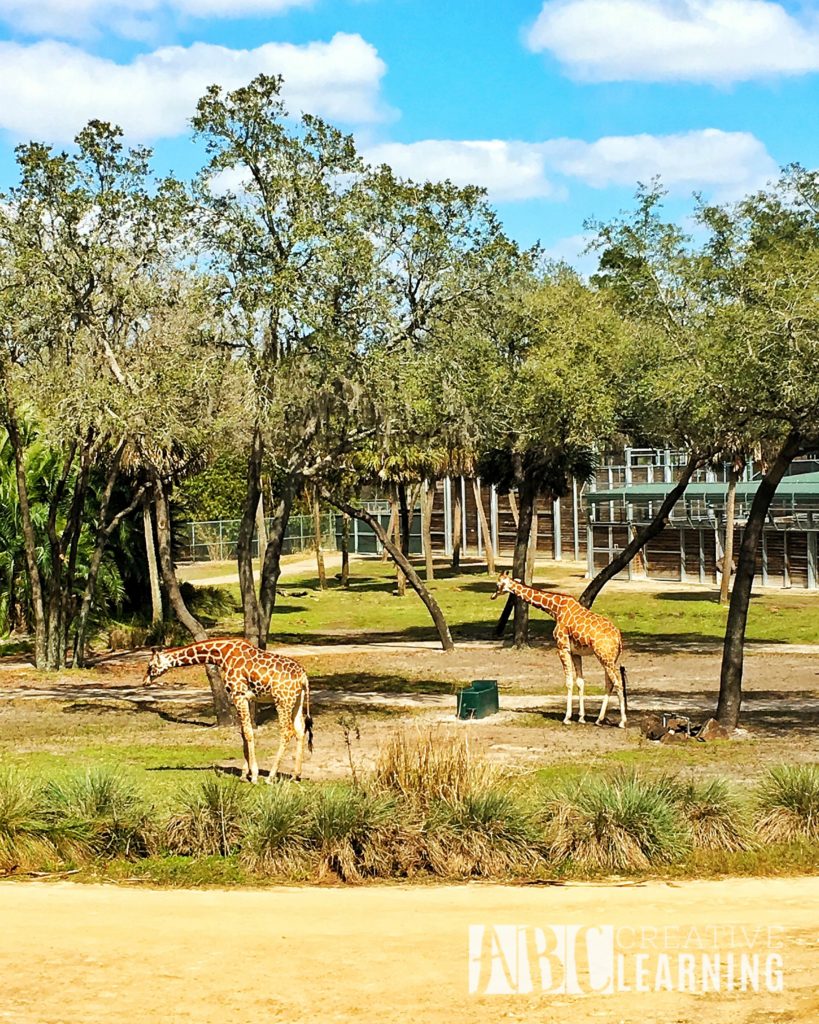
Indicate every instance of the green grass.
{"type": "Point", "coordinates": [369, 609]}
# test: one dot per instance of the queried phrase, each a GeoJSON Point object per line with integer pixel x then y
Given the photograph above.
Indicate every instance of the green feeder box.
{"type": "Point", "coordinates": [479, 699]}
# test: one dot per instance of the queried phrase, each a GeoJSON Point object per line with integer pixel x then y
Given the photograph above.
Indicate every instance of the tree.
{"type": "Point", "coordinates": [84, 240]}
{"type": "Point", "coordinates": [762, 262]}
{"type": "Point", "coordinates": [282, 225]}
{"type": "Point", "coordinates": [549, 393]}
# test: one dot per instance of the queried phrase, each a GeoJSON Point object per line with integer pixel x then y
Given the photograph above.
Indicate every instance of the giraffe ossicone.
{"type": "Point", "coordinates": [251, 676]}
{"type": "Point", "coordinates": [578, 632]}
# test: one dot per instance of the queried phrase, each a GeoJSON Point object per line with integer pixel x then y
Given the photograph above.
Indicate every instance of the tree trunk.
{"type": "Point", "coordinates": [105, 529]}
{"type": "Point", "coordinates": [648, 532]}
{"type": "Point", "coordinates": [244, 542]}
{"type": "Point", "coordinates": [404, 511]}
{"type": "Point", "coordinates": [526, 508]}
{"type": "Point", "coordinates": [345, 550]}
{"type": "Point", "coordinates": [400, 578]}
{"type": "Point", "coordinates": [457, 524]}
{"type": "Point", "coordinates": [728, 552]}
{"type": "Point", "coordinates": [153, 568]}
{"type": "Point", "coordinates": [29, 535]}
{"type": "Point", "coordinates": [531, 554]}
{"type": "Point", "coordinates": [398, 557]}
{"type": "Point", "coordinates": [221, 705]}
{"type": "Point", "coordinates": [320, 567]}
{"type": "Point", "coordinates": [261, 525]}
{"type": "Point", "coordinates": [271, 567]}
{"type": "Point", "coordinates": [427, 504]}
{"type": "Point", "coordinates": [391, 526]}
{"type": "Point", "coordinates": [730, 684]}
{"type": "Point", "coordinates": [485, 528]}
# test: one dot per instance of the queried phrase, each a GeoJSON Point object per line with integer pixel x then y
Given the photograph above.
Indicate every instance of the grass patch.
{"type": "Point", "coordinates": [788, 801]}
{"type": "Point", "coordinates": [624, 824]}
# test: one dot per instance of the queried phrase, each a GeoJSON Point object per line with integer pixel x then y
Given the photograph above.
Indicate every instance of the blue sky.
{"type": "Point", "coordinates": [558, 108]}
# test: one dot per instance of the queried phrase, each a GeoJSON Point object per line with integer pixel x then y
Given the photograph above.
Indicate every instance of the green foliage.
{"type": "Point", "coordinates": [624, 823]}
{"type": "Point", "coordinates": [788, 803]}
{"type": "Point", "coordinates": [210, 818]}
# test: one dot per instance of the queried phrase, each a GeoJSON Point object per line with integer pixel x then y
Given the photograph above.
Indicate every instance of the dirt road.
{"type": "Point", "coordinates": [86, 954]}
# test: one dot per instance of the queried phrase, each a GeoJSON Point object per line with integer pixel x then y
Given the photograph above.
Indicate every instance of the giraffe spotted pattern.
{"type": "Point", "coordinates": [578, 632]}
{"type": "Point", "coordinates": [251, 675]}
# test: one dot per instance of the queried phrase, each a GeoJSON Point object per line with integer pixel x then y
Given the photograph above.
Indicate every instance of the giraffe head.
{"type": "Point", "coordinates": [159, 664]}
{"type": "Point", "coordinates": [504, 584]}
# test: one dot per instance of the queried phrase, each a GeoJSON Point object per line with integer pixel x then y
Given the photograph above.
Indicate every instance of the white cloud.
{"type": "Point", "coordinates": [726, 163]}
{"type": "Point", "coordinates": [78, 18]}
{"type": "Point", "coordinates": [508, 170]}
{"type": "Point", "coordinates": [718, 41]}
{"type": "Point", "coordinates": [49, 90]}
{"type": "Point", "coordinates": [730, 162]}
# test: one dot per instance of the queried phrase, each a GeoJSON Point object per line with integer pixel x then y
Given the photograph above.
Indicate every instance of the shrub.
{"type": "Point", "coordinates": [620, 824]}
{"type": "Point", "coordinates": [485, 833]}
{"type": "Point", "coordinates": [425, 766]}
{"type": "Point", "coordinates": [25, 836]}
{"type": "Point", "coordinates": [211, 818]}
{"type": "Point", "coordinates": [276, 830]}
{"type": "Point", "coordinates": [715, 815]}
{"type": "Point", "coordinates": [99, 812]}
{"type": "Point", "coordinates": [357, 834]}
{"type": "Point", "coordinates": [788, 803]}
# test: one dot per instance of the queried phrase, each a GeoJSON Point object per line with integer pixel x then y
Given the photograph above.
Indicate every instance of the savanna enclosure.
{"type": "Point", "coordinates": [293, 332]}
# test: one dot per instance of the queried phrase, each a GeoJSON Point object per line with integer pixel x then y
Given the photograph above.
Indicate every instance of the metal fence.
{"type": "Point", "coordinates": [216, 540]}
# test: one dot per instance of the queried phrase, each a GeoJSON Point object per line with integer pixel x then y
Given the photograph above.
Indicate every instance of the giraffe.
{"type": "Point", "coordinates": [251, 675]}
{"type": "Point", "coordinates": [578, 632]}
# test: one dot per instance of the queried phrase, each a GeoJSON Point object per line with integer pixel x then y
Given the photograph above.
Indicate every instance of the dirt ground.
{"type": "Point", "coordinates": [360, 695]}
{"type": "Point", "coordinates": [91, 954]}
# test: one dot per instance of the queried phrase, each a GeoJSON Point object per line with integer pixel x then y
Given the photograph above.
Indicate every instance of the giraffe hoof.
{"type": "Point", "coordinates": [567, 721]}
{"type": "Point", "coordinates": [581, 721]}
{"type": "Point", "coordinates": [622, 725]}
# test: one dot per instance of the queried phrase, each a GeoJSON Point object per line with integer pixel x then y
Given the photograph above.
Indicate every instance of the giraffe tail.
{"type": "Point", "coordinates": [308, 721]}
{"type": "Point", "coordinates": [624, 677]}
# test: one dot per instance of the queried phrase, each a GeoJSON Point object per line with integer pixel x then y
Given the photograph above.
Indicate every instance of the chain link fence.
{"type": "Point", "coordinates": [216, 540]}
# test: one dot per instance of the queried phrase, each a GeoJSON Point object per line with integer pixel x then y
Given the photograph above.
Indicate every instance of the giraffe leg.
{"type": "Point", "coordinates": [246, 725]}
{"type": "Point", "coordinates": [568, 670]}
{"type": "Point", "coordinates": [285, 716]}
{"type": "Point", "coordinates": [577, 664]}
{"type": "Point", "coordinates": [300, 729]}
{"type": "Point", "coordinates": [617, 686]}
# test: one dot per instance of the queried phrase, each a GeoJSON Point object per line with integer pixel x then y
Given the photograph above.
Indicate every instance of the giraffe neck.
{"type": "Point", "coordinates": [206, 652]}
{"type": "Point", "coordinates": [554, 604]}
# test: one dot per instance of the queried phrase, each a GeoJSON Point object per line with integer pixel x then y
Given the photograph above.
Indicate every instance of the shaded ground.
{"type": "Point", "coordinates": [362, 693]}
{"type": "Point", "coordinates": [91, 954]}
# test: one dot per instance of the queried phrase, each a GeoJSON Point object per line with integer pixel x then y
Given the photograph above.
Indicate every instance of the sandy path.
{"type": "Point", "coordinates": [87, 954]}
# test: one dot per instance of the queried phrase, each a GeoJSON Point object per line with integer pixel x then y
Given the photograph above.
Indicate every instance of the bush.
{"type": "Point", "coordinates": [211, 819]}
{"type": "Point", "coordinates": [276, 830]}
{"type": "Point", "coordinates": [100, 812]}
{"type": "Point", "coordinates": [25, 836]}
{"type": "Point", "coordinates": [715, 815]}
{"type": "Point", "coordinates": [356, 834]}
{"type": "Point", "coordinates": [485, 833]}
{"type": "Point", "coordinates": [788, 804]}
{"type": "Point", "coordinates": [425, 766]}
{"type": "Point", "coordinates": [619, 824]}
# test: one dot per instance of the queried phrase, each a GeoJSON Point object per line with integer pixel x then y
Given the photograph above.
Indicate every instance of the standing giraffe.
{"type": "Point", "coordinates": [251, 675]}
{"type": "Point", "coordinates": [578, 632]}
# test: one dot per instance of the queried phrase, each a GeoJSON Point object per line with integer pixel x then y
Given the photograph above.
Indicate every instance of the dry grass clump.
{"type": "Point", "coordinates": [717, 818]}
{"type": "Point", "coordinates": [428, 765]}
{"type": "Point", "coordinates": [788, 804]}
{"type": "Point", "coordinates": [100, 813]}
{"type": "Point", "coordinates": [210, 820]}
{"type": "Point", "coordinates": [486, 833]}
{"type": "Point", "coordinates": [276, 830]}
{"type": "Point", "coordinates": [26, 837]}
{"type": "Point", "coordinates": [623, 824]}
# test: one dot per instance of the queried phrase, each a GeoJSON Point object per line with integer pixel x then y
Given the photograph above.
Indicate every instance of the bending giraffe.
{"type": "Point", "coordinates": [578, 632]}
{"type": "Point", "coordinates": [251, 675]}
